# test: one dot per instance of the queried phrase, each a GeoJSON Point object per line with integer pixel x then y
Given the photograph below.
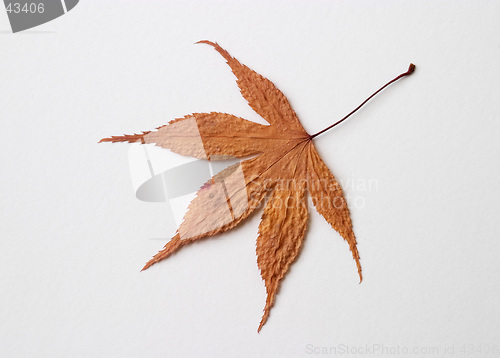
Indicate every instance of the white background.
{"type": "Point", "coordinates": [74, 237]}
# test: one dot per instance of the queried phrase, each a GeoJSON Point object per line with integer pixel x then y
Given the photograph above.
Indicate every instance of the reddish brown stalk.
{"type": "Point", "coordinates": [411, 68]}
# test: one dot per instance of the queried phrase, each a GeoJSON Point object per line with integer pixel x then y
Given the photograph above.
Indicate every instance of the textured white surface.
{"type": "Point", "coordinates": [74, 237]}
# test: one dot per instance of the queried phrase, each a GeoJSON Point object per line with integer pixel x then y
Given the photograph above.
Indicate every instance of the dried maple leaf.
{"type": "Point", "coordinates": [285, 165]}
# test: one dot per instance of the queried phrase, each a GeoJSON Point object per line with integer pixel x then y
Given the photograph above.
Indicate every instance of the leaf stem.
{"type": "Point", "coordinates": [411, 68]}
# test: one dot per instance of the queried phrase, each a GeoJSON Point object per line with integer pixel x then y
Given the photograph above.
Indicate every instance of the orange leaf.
{"type": "Point", "coordinates": [285, 165]}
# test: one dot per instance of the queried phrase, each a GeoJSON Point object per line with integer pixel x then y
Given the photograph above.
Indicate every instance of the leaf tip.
{"type": "Point", "coordinates": [219, 49]}
{"type": "Point", "coordinates": [171, 247]}
{"type": "Point", "coordinates": [130, 138]}
{"type": "Point", "coordinates": [263, 321]}
{"type": "Point", "coordinates": [146, 267]}
{"type": "Point", "coordinates": [359, 270]}
{"type": "Point", "coordinates": [206, 42]}
{"type": "Point", "coordinates": [267, 311]}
